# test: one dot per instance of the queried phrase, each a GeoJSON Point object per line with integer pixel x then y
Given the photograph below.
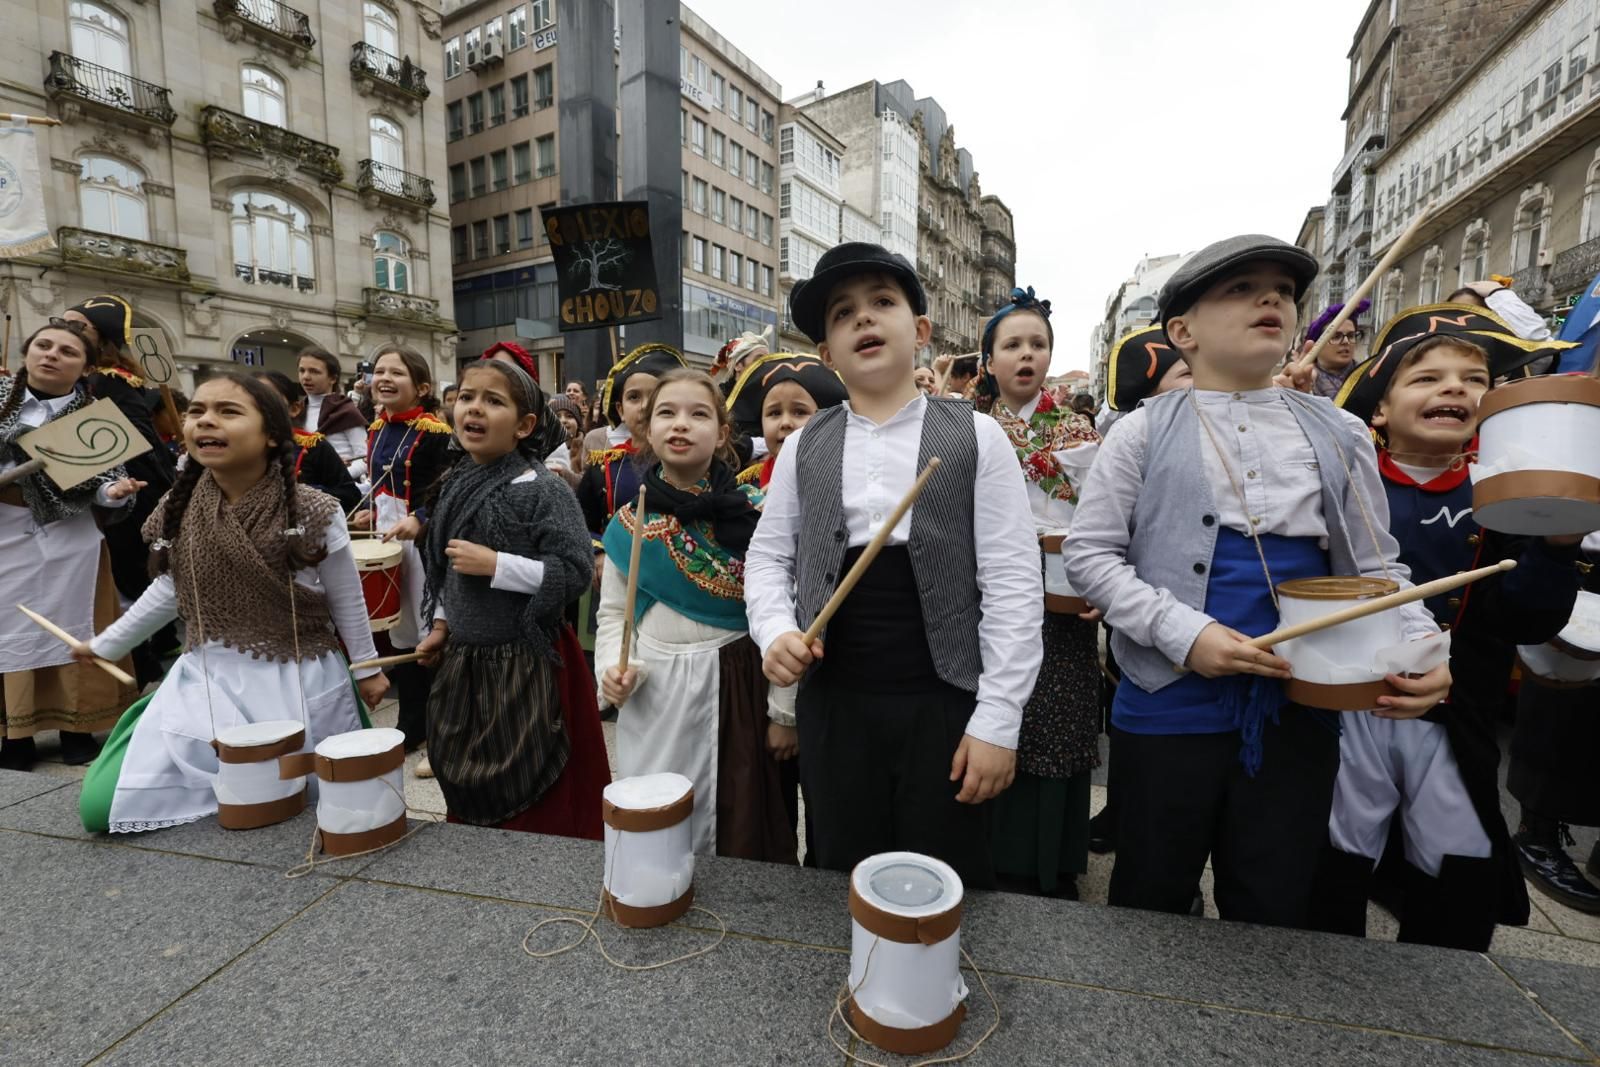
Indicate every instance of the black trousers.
{"type": "Point", "coordinates": [1182, 798]}
{"type": "Point", "coordinates": [875, 771]}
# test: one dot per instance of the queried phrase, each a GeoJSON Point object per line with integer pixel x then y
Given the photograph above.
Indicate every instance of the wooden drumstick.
{"type": "Point", "coordinates": [55, 631]}
{"type": "Point", "coordinates": [1382, 603]}
{"type": "Point", "coordinates": [388, 661]}
{"type": "Point", "coordinates": [869, 553]}
{"type": "Point", "coordinates": [1395, 251]}
{"type": "Point", "coordinates": [633, 580]}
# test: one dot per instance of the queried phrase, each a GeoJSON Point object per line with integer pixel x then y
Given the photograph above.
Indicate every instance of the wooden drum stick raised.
{"type": "Point", "coordinates": [633, 580]}
{"type": "Point", "coordinates": [869, 553]}
{"type": "Point", "coordinates": [57, 632]}
{"type": "Point", "coordinates": [387, 661]}
{"type": "Point", "coordinates": [1382, 603]}
{"type": "Point", "coordinates": [1396, 250]}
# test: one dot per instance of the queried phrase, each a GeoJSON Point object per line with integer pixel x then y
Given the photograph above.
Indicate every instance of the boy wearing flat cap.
{"type": "Point", "coordinates": [909, 723]}
{"type": "Point", "coordinates": [1201, 501]}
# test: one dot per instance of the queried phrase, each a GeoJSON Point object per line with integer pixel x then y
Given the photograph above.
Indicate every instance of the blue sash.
{"type": "Point", "coordinates": [1237, 596]}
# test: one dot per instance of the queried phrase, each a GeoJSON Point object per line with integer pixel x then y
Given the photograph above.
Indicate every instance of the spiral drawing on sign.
{"type": "Point", "coordinates": [103, 440]}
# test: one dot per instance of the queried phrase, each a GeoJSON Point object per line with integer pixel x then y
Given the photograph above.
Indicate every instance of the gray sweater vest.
{"type": "Point", "coordinates": [941, 545]}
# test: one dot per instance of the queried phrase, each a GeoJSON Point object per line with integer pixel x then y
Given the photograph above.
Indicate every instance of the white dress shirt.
{"type": "Point", "coordinates": [37, 410]}
{"type": "Point", "coordinates": [880, 464]}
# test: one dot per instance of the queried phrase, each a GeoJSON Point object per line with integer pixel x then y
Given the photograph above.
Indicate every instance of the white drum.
{"type": "Point", "coordinates": [361, 805]}
{"type": "Point", "coordinates": [1538, 467]}
{"type": "Point", "coordinates": [649, 875]}
{"type": "Point", "coordinates": [1059, 596]}
{"type": "Point", "coordinates": [906, 991]}
{"type": "Point", "coordinates": [1338, 668]}
{"type": "Point", "coordinates": [250, 792]}
{"type": "Point", "coordinates": [1572, 657]}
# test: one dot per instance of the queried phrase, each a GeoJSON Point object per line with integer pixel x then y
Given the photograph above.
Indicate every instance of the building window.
{"type": "Point", "coordinates": [697, 136]}
{"type": "Point", "coordinates": [525, 228]}
{"type": "Point", "coordinates": [766, 280]}
{"type": "Point", "coordinates": [540, 235]}
{"type": "Point", "coordinates": [480, 239]}
{"type": "Point", "coordinates": [735, 212]}
{"type": "Point", "coordinates": [750, 165]}
{"type": "Point", "coordinates": [263, 94]}
{"type": "Point", "coordinates": [111, 198]}
{"type": "Point", "coordinates": [735, 102]}
{"type": "Point", "coordinates": [502, 234]}
{"type": "Point", "coordinates": [522, 162]}
{"type": "Point", "coordinates": [766, 229]}
{"type": "Point", "coordinates": [750, 275]}
{"type": "Point", "coordinates": [471, 46]}
{"type": "Point", "coordinates": [683, 127]}
{"type": "Point", "coordinates": [458, 182]}
{"type": "Point", "coordinates": [544, 86]}
{"type": "Point", "coordinates": [475, 113]}
{"type": "Point", "coordinates": [783, 254]}
{"type": "Point", "coordinates": [783, 200]}
{"type": "Point", "coordinates": [494, 30]}
{"type": "Point", "coordinates": [719, 205]}
{"type": "Point", "coordinates": [519, 96]}
{"type": "Point", "coordinates": [719, 89]}
{"type": "Point", "coordinates": [387, 144]}
{"type": "Point", "coordinates": [458, 244]}
{"type": "Point", "coordinates": [541, 14]}
{"type": "Point", "coordinates": [99, 35]}
{"type": "Point", "coordinates": [752, 220]}
{"type": "Point", "coordinates": [1428, 283]}
{"type": "Point", "coordinates": [381, 29]}
{"type": "Point", "coordinates": [1590, 221]}
{"type": "Point", "coordinates": [735, 158]}
{"type": "Point", "coordinates": [544, 149]}
{"type": "Point", "coordinates": [497, 105]}
{"type": "Point", "coordinates": [391, 262]}
{"type": "Point", "coordinates": [701, 192]}
{"type": "Point", "coordinates": [718, 144]}
{"type": "Point", "coordinates": [452, 59]}
{"type": "Point", "coordinates": [718, 254]}
{"type": "Point", "coordinates": [498, 173]}
{"type": "Point", "coordinates": [752, 113]}
{"type": "Point", "coordinates": [271, 241]}
{"type": "Point", "coordinates": [700, 254]}
{"type": "Point", "coordinates": [735, 266]}
{"type": "Point", "coordinates": [786, 145]}
{"type": "Point", "coordinates": [1475, 252]}
{"type": "Point", "coordinates": [1533, 219]}
{"type": "Point", "coordinates": [517, 25]}
{"type": "Point", "coordinates": [480, 176]}
{"type": "Point", "coordinates": [767, 122]}
{"type": "Point", "coordinates": [455, 123]}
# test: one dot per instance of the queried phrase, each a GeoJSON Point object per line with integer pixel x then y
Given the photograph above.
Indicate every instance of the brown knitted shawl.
{"type": "Point", "coordinates": [230, 566]}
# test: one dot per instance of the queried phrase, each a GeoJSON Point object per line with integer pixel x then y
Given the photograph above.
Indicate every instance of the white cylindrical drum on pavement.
{"type": "Point", "coordinates": [1059, 596]}
{"type": "Point", "coordinates": [250, 792]}
{"type": "Point", "coordinates": [1337, 668]}
{"type": "Point", "coordinates": [361, 805]}
{"type": "Point", "coordinates": [1572, 657]}
{"type": "Point", "coordinates": [1538, 466]}
{"type": "Point", "coordinates": [649, 875]}
{"type": "Point", "coordinates": [906, 991]}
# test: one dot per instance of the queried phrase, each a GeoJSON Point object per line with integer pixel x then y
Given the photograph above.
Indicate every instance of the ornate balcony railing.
{"type": "Point", "coordinates": [254, 275]}
{"type": "Point", "coordinates": [385, 180]}
{"type": "Point", "coordinates": [124, 255]}
{"type": "Point", "coordinates": [91, 83]}
{"type": "Point", "coordinates": [1533, 285]}
{"type": "Point", "coordinates": [394, 72]}
{"type": "Point", "coordinates": [994, 262]}
{"type": "Point", "coordinates": [408, 307]}
{"type": "Point", "coordinates": [280, 20]}
{"type": "Point", "coordinates": [1575, 266]}
{"type": "Point", "coordinates": [225, 132]}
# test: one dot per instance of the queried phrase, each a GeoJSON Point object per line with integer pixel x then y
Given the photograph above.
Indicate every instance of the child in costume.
{"type": "Point", "coordinates": [1437, 774]}
{"type": "Point", "coordinates": [260, 571]}
{"type": "Point", "coordinates": [513, 732]}
{"type": "Point", "coordinates": [316, 463]}
{"type": "Point", "coordinates": [909, 723]}
{"type": "Point", "coordinates": [52, 558]}
{"type": "Point", "coordinates": [408, 450]}
{"type": "Point", "coordinates": [693, 700]}
{"type": "Point", "coordinates": [1041, 824]}
{"type": "Point", "coordinates": [330, 412]}
{"type": "Point", "coordinates": [1199, 503]}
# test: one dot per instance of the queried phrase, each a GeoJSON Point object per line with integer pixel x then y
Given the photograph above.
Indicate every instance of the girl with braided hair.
{"type": "Point", "coordinates": [260, 570]}
{"type": "Point", "coordinates": [53, 559]}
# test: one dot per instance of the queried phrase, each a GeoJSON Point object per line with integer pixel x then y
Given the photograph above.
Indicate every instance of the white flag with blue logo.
{"type": "Point", "coordinates": [23, 228]}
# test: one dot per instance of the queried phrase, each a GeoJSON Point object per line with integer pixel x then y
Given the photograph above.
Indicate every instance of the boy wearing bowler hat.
{"type": "Point", "coordinates": [910, 704]}
{"type": "Point", "coordinates": [1200, 502]}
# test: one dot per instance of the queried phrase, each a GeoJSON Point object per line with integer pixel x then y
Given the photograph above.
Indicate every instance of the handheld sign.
{"type": "Point", "coordinates": [155, 358]}
{"type": "Point", "coordinates": [90, 441]}
{"type": "Point", "coordinates": [605, 264]}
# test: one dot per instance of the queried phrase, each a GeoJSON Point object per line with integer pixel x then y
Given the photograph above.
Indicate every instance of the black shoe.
{"type": "Point", "coordinates": [78, 749]}
{"type": "Point", "coordinates": [1553, 873]}
{"type": "Point", "coordinates": [17, 754]}
{"type": "Point", "coordinates": [1593, 866]}
{"type": "Point", "coordinates": [1198, 908]}
{"type": "Point", "coordinates": [1103, 831]}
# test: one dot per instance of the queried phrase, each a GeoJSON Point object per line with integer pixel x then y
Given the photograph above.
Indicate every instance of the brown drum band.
{"type": "Point", "coordinates": [1354, 696]}
{"type": "Point", "coordinates": [907, 1042]}
{"type": "Point", "coordinates": [1534, 485]}
{"type": "Point", "coordinates": [928, 930]}
{"type": "Point", "coordinates": [267, 813]}
{"type": "Point", "coordinates": [645, 918]}
{"type": "Point", "coordinates": [1545, 389]}
{"type": "Point", "coordinates": [1051, 544]}
{"type": "Point", "coordinates": [1572, 651]}
{"type": "Point", "coordinates": [364, 841]}
{"type": "Point", "coordinates": [347, 769]}
{"type": "Point", "coordinates": [259, 753]}
{"type": "Point", "coordinates": [1551, 683]}
{"type": "Point", "coordinates": [1056, 604]}
{"type": "Point", "coordinates": [643, 820]}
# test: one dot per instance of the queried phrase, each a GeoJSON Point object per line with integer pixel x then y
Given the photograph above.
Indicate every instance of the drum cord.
{"type": "Point", "coordinates": [847, 993]}
{"type": "Point", "coordinates": [594, 917]}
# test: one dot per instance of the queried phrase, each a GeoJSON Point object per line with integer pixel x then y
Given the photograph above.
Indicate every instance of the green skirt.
{"type": "Point", "coordinates": [1040, 829]}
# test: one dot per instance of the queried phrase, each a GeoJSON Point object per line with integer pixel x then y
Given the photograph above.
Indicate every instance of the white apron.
{"type": "Point", "coordinates": [52, 570]}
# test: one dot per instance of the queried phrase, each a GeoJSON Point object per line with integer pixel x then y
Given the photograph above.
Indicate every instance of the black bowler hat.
{"type": "Point", "coordinates": [1136, 366]}
{"type": "Point", "coordinates": [1216, 261]}
{"type": "Point", "coordinates": [808, 301]}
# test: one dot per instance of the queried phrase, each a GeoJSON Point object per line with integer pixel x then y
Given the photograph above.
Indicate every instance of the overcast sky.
{"type": "Point", "coordinates": [1111, 128]}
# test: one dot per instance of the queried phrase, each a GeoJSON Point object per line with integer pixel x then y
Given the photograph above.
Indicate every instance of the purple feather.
{"type": "Point", "coordinates": [1320, 323]}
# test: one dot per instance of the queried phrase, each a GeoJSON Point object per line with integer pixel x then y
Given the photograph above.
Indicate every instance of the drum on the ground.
{"type": "Point", "coordinates": [1538, 466]}
{"type": "Point", "coordinates": [361, 800]}
{"type": "Point", "coordinates": [649, 850]}
{"type": "Point", "coordinates": [250, 792]}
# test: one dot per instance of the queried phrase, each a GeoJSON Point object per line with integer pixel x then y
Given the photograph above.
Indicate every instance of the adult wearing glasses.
{"type": "Point", "coordinates": [1342, 352]}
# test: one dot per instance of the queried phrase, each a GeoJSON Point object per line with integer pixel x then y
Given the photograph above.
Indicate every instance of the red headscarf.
{"type": "Point", "coordinates": [517, 353]}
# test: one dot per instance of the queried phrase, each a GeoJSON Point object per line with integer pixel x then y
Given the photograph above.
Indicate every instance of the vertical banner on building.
{"type": "Point", "coordinates": [605, 266]}
{"type": "Point", "coordinates": [24, 231]}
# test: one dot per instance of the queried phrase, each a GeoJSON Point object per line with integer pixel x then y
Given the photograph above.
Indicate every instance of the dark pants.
{"type": "Point", "coordinates": [875, 768]}
{"type": "Point", "coordinates": [1182, 798]}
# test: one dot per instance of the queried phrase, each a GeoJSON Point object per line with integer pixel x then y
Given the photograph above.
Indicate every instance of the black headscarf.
{"type": "Point", "coordinates": [733, 518]}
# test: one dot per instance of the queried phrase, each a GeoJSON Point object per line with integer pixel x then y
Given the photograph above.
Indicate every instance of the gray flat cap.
{"type": "Point", "coordinates": [1216, 261]}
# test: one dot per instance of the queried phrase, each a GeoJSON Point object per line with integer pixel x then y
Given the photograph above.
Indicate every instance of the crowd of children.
{"type": "Point", "coordinates": [953, 702]}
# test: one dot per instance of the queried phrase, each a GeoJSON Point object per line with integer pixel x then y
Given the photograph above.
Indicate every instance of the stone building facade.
{"type": "Point", "coordinates": [1130, 306]}
{"type": "Point", "coordinates": [998, 274]}
{"type": "Point", "coordinates": [250, 176]}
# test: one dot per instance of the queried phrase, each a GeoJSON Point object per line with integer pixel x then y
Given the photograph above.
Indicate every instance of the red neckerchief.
{"type": "Point", "coordinates": [405, 416]}
{"type": "Point", "coordinates": [766, 470]}
{"type": "Point", "coordinates": [1448, 479]}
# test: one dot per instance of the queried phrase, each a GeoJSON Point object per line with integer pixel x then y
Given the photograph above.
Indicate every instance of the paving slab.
{"type": "Point", "coordinates": [1570, 993]}
{"type": "Point", "coordinates": [17, 786]}
{"type": "Point", "coordinates": [93, 941]}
